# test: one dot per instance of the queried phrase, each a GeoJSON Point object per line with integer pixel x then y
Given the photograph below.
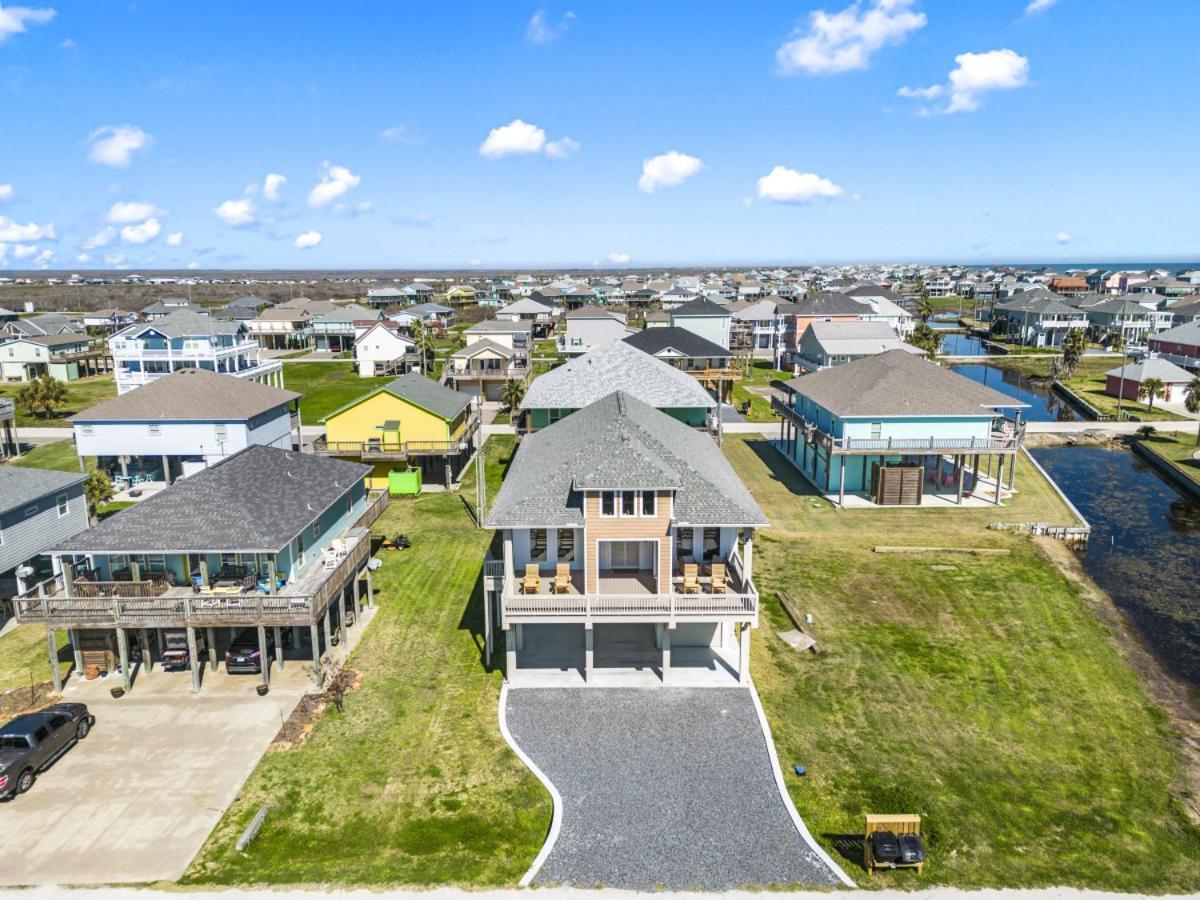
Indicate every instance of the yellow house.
{"type": "Point", "coordinates": [410, 420]}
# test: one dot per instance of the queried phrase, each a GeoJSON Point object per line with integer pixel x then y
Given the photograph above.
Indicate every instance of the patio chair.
{"type": "Point", "coordinates": [562, 579]}
{"type": "Point", "coordinates": [532, 583]}
{"type": "Point", "coordinates": [719, 583]}
{"type": "Point", "coordinates": [691, 578]}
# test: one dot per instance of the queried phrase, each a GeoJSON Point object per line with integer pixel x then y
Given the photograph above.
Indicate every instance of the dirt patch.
{"type": "Point", "coordinates": [26, 699]}
{"type": "Point", "coordinates": [300, 723]}
{"type": "Point", "coordinates": [1094, 437]}
{"type": "Point", "coordinates": [1174, 698]}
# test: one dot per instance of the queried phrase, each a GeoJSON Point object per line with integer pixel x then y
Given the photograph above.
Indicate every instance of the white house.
{"type": "Point", "coordinates": [589, 327]}
{"type": "Point", "coordinates": [382, 349]}
{"type": "Point", "coordinates": [182, 423]}
{"type": "Point", "coordinates": [187, 340]}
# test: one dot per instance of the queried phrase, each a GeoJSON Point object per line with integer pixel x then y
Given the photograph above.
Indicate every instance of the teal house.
{"type": "Point", "coordinates": [614, 366]}
{"type": "Point", "coordinates": [897, 430]}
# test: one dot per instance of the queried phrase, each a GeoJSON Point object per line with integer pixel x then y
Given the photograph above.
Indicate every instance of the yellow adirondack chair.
{"type": "Point", "coordinates": [533, 581]}
{"type": "Point", "coordinates": [691, 578]}
{"type": "Point", "coordinates": [719, 583]}
{"type": "Point", "coordinates": [562, 579]}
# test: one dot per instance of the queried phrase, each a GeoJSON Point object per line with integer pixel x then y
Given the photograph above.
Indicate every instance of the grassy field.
{"type": "Point", "coordinates": [413, 784]}
{"type": "Point", "coordinates": [56, 455]}
{"type": "Point", "coordinates": [326, 386]}
{"type": "Point", "coordinates": [980, 692]}
{"type": "Point", "coordinates": [80, 395]}
{"type": "Point", "coordinates": [23, 657]}
{"type": "Point", "coordinates": [1177, 450]}
{"type": "Point", "coordinates": [762, 373]}
{"type": "Point", "coordinates": [1089, 382]}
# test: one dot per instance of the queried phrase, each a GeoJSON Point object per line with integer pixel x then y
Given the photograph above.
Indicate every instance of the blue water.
{"type": "Point", "coordinates": [957, 343]}
{"type": "Point", "coordinates": [1144, 549]}
{"type": "Point", "coordinates": [1043, 406]}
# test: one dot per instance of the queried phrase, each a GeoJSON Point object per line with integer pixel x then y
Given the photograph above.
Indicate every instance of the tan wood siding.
{"type": "Point", "coordinates": [617, 528]}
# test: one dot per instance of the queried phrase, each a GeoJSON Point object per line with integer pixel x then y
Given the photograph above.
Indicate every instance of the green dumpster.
{"type": "Point", "coordinates": [404, 481]}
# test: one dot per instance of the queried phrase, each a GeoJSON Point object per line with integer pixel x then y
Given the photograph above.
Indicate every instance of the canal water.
{"type": "Point", "coordinates": [1043, 405]}
{"type": "Point", "coordinates": [956, 343]}
{"type": "Point", "coordinates": [1144, 548]}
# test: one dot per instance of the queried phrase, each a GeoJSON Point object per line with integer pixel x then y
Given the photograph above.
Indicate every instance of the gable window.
{"type": "Point", "coordinates": [648, 501]}
{"type": "Point", "coordinates": [566, 545]}
{"type": "Point", "coordinates": [221, 432]}
{"type": "Point", "coordinates": [629, 503]}
{"type": "Point", "coordinates": [153, 429]}
{"type": "Point", "coordinates": [64, 505]}
{"type": "Point", "coordinates": [537, 545]}
{"type": "Point", "coordinates": [876, 430]}
{"type": "Point", "coordinates": [86, 429]}
{"type": "Point", "coordinates": [608, 503]}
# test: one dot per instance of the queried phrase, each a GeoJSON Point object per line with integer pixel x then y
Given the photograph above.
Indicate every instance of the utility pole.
{"type": "Point", "coordinates": [1121, 384]}
{"type": "Point", "coordinates": [480, 479]}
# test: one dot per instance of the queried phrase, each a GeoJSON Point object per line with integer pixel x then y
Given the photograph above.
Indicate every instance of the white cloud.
{"type": "Point", "coordinates": [667, 170]}
{"type": "Point", "coordinates": [975, 75]}
{"type": "Point", "coordinates": [1062, 237]}
{"type": "Point", "coordinates": [541, 30]}
{"type": "Point", "coordinates": [619, 259]}
{"type": "Point", "coordinates": [236, 212]}
{"type": "Point", "coordinates": [562, 148]}
{"type": "Point", "coordinates": [399, 134]}
{"type": "Point", "coordinates": [45, 258]}
{"type": "Point", "coordinates": [1038, 6]}
{"type": "Point", "coordinates": [193, 265]}
{"type": "Point", "coordinates": [354, 209]}
{"type": "Point", "coordinates": [271, 185]}
{"type": "Point", "coordinates": [130, 211]}
{"type": "Point", "coordinates": [175, 239]}
{"type": "Point", "coordinates": [68, 44]}
{"type": "Point", "coordinates": [24, 251]}
{"type": "Point", "coordinates": [13, 19]}
{"type": "Point", "coordinates": [841, 41]}
{"type": "Point", "coordinates": [82, 258]}
{"type": "Point", "coordinates": [101, 238]}
{"type": "Point", "coordinates": [784, 185]}
{"type": "Point", "coordinates": [308, 239]}
{"type": "Point", "coordinates": [518, 136]}
{"type": "Point", "coordinates": [6, 192]}
{"type": "Point", "coordinates": [421, 218]}
{"type": "Point", "coordinates": [335, 181]}
{"type": "Point", "coordinates": [15, 231]}
{"type": "Point", "coordinates": [474, 263]}
{"type": "Point", "coordinates": [140, 234]}
{"type": "Point", "coordinates": [114, 145]}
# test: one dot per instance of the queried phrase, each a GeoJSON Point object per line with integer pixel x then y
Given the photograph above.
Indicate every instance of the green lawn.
{"type": "Point", "coordinates": [23, 657]}
{"type": "Point", "coordinates": [80, 395]}
{"type": "Point", "coordinates": [57, 455]}
{"type": "Point", "coordinates": [413, 784]}
{"type": "Point", "coordinates": [980, 692]}
{"type": "Point", "coordinates": [326, 386]}
{"type": "Point", "coordinates": [761, 374]}
{"type": "Point", "coordinates": [1177, 449]}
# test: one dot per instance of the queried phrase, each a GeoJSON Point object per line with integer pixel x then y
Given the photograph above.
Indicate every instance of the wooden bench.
{"type": "Point", "coordinates": [898, 824]}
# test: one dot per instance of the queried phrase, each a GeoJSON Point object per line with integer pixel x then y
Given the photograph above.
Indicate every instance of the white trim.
{"type": "Point", "coordinates": [786, 797]}
{"type": "Point", "coordinates": [555, 797]}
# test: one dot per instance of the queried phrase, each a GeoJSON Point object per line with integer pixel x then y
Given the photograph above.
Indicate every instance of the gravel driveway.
{"type": "Point", "coordinates": [664, 788]}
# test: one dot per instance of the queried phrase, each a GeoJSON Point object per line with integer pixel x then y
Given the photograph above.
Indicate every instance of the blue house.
{"type": "Point", "coordinates": [267, 538]}
{"type": "Point", "coordinates": [897, 430]}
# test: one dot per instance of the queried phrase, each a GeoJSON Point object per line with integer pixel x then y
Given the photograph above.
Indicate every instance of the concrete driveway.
{"type": "Point", "coordinates": [135, 800]}
{"type": "Point", "coordinates": [667, 787]}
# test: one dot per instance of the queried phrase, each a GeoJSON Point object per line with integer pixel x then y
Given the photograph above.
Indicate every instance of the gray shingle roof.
{"type": "Point", "coordinates": [186, 323]}
{"type": "Point", "coordinates": [701, 306]}
{"type": "Point", "coordinates": [615, 443]}
{"type": "Point", "coordinates": [257, 500]}
{"type": "Point", "coordinates": [19, 486]}
{"type": "Point", "coordinates": [190, 395]}
{"type": "Point", "coordinates": [437, 398]}
{"type": "Point", "coordinates": [500, 326]}
{"type": "Point", "coordinates": [483, 344]}
{"type": "Point", "coordinates": [1153, 367]}
{"type": "Point", "coordinates": [1188, 333]}
{"type": "Point", "coordinates": [897, 383]}
{"type": "Point", "coordinates": [858, 338]}
{"type": "Point", "coordinates": [683, 340]}
{"type": "Point", "coordinates": [616, 366]}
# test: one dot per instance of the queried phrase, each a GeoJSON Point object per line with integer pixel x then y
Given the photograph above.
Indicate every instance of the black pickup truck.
{"type": "Point", "coordinates": [30, 743]}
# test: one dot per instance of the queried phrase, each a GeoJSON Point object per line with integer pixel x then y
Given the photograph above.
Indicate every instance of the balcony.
{"type": "Point", "coordinates": [127, 378]}
{"type": "Point", "coordinates": [135, 350]}
{"type": "Point", "coordinates": [997, 442]}
{"type": "Point", "coordinates": [381, 450]}
{"type": "Point", "coordinates": [627, 597]}
{"type": "Point", "coordinates": [155, 603]}
{"type": "Point", "coordinates": [516, 371]}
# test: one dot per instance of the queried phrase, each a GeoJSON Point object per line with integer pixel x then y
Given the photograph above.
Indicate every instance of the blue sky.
{"type": "Point", "coordinates": [141, 135]}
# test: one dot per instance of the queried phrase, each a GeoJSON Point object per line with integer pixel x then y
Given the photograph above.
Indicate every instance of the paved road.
{"type": "Point", "coordinates": [661, 788]}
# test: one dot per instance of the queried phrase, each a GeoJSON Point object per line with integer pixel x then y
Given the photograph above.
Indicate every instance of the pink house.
{"type": "Point", "coordinates": [1175, 380]}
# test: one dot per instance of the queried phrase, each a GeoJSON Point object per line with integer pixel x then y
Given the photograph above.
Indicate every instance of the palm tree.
{"type": "Point", "coordinates": [423, 342]}
{"type": "Point", "coordinates": [97, 489]}
{"type": "Point", "coordinates": [513, 394]}
{"type": "Point", "coordinates": [1151, 388]}
{"type": "Point", "coordinates": [928, 339]}
{"type": "Point", "coordinates": [1072, 350]}
{"type": "Point", "coordinates": [41, 396]}
{"type": "Point", "coordinates": [924, 309]}
{"type": "Point", "coordinates": [1147, 432]}
{"type": "Point", "coordinates": [1191, 400]}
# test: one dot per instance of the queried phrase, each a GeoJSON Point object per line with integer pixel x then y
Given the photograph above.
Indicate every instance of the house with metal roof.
{"type": "Point", "coordinates": [38, 508]}
{"type": "Point", "coordinates": [627, 554]}
{"type": "Point", "coordinates": [266, 539]}
{"type": "Point", "coordinates": [184, 422]}
{"type": "Point", "coordinates": [615, 366]}
{"type": "Point", "coordinates": [828, 344]}
{"type": "Point", "coordinates": [894, 429]}
{"type": "Point", "coordinates": [412, 422]}
{"type": "Point", "coordinates": [185, 339]}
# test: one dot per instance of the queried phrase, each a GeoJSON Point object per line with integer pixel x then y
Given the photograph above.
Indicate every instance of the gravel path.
{"type": "Point", "coordinates": [661, 788]}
